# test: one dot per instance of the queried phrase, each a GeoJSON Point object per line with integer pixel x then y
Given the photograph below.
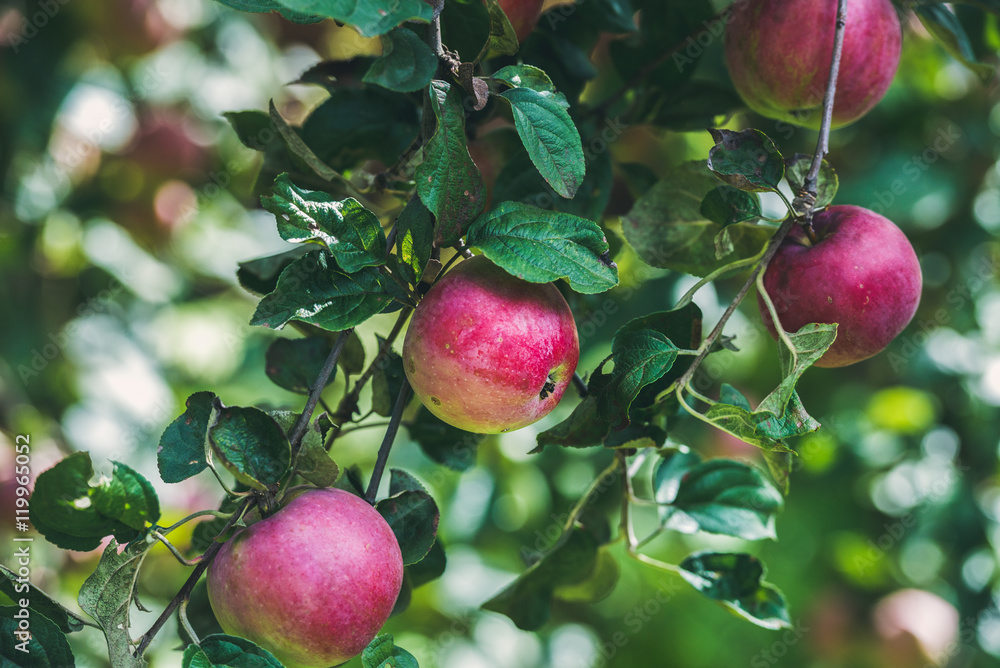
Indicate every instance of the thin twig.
{"type": "Point", "coordinates": [347, 405]}
{"type": "Point", "coordinates": [809, 190]}
{"type": "Point", "coordinates": [317, 389]}
{"type": "Point", "coordinates": [581, 385]}
{"type": "Point", "coordinates": [387, 441]}
{"type": "Point", "coordinates": [188, 587]}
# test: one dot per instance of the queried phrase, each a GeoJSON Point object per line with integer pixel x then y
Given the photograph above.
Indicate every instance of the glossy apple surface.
{"type": "Point", "coordinates": [862, 274]}
{"type": "Point", "coordinates": [523, 15]}
{"type": "Point", "coordinates": [313, 583]}
{"type": "Point", "coordinates": [488, 352]}
{"type": "Point", "coordinates": [778, 53]}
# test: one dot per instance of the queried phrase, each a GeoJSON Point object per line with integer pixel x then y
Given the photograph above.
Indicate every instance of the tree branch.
{"type": "Point", "coordinates": [189, 584]}
{"type": "Point", "coordinates": [316, 390]}
{"type": "Point", "coordinates": [390, 436]}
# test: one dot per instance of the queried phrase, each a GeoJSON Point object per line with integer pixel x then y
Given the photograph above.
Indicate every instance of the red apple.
{"type": "Point", "coordinates": [488, 352]}
{"type": "Point", "coordinates": [860, 273]}
{"type": "Point", "coordinates": [778, 53]}
{"type": "Point", "coordinates": [313, 583]}
{"type": "Point", "coordinates": [523, 15]}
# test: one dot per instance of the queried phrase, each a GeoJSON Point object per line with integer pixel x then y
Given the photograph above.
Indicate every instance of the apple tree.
{"type": "Point", "coordinates": [461, 183]}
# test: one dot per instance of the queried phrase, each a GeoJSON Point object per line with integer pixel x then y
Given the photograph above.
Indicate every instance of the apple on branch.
{"type": "Point", "coordinates": [860, 272]}
{"type": "Point", "coordinates": [488, 352]}
{"type": "Point", "coordinates": [778, 53]}
{"type": "Point", "coordinates": [313, 583]}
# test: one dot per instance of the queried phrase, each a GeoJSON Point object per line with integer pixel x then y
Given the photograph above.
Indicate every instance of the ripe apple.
{"type": "Point", "coordinates": [488, 352]}
{"type": "Point", "coordinates": [778, 53]}
{"type": "Point", "coordinates": [313, 583]}
{"type": "Point", "coordinates": [860, 273]}
{"type": "Point", "coordinates": [523, 15]}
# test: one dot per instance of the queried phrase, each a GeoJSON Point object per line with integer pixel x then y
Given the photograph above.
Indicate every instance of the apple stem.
{"type": "Point", "coordinates": [390, 436]}
{"type": "Point", "coordinates": [185, 592]}
{"type": "Point", "coordinates": [316, 390]}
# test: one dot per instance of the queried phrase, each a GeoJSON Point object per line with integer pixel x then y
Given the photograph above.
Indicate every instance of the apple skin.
{"type": "Point", "coordinates": [523, 15]}
{"type": "Point", "coordinates": [488, 352]}
{"type": "Point", "coordinates": [778, 54]}
{"type": "Point", "coordinates": [862, 274]}
{"type": "Point", "coordinates": [313, 583]}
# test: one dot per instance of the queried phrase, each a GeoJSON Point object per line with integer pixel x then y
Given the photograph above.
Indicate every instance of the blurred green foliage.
{"type": "Point", "coordinates": [127, 201]}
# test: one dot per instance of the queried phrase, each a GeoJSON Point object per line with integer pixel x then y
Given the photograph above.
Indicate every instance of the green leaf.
{"type": "Point", "coordinates": [663, 25]}
{"type": "Point", "coordinates": [294, 364]}
{"type": "Point", "coordinates": [447, 445]}
{"type": "Point", "coordinates": [527, 76]}
{"type": "Point", "coordinates": [762, 428]}
{"type": "Point", "coordinates": [224, 651]}
{"type": "Point", "coordinates": [542, 246]}
{"type": "Point", "coordinates": [727, 497]}
{"type": "Point", "coordinates": [695, 105]}
{"type": "Point", "coordinates": [528, 599]}
{"type": "Point", "coordinates": [746, 160]}
{"type": "Point", "coordinates": [351, 232]}
{"type": "Point", "coordinates": [636, 435]}
{"type": "Point", "coordinates": [260, 276]}
{"type": "Point", "coordinates": [668, 230]}
{"type": "Point", "coordinates": [465, 28]}
{"type": "Point", "coordinates": [736, 582]}
{"type": "Point", "coordinates": [550, 137]}
{"type": "Point", "coordinates": [407, 64]}
{"type": "Point", "coordinates": [582, 429]}
{"type": "Point", "coordinates": [797, 169]}
{"type": "Point", "coordinates": [359, 124]}
{"type": "Point", "coordinates": [299, 148]}
{"type": "Point", "coordinates": [614, 15]}
{"type": "Point", "coordinates": [502, 40]}
{"type": "Point", "coordinates": [429, 568]}
{"type": "Point", "coordinates": [641, 358]}
{"type": "Point", "coordinates": [181, 453]}
{"type": "Point", "coordinates": [16, 588]}
{"type": "Point", "coordinates": [448, 181]}
{"type": "Point", "coordinates": [260, 6]}
{"type": "Point", "coordinates": [414, 239]}
{"type": "Point", "coordinates": [371, 17]}
{"type": "Point", "coordinates": [313, 290]}
{"type": "Point", "coordinates": [251, 445]}
{"type": "Point", "coordinates": [387, 381]}
{"type": "Point", "coordinates": [727, 205]}
{"type": "Point", "coordinates": [253, 128]}
{"type": "Point", "coordinates": [597, 586]}
{"type": "Point", "coordinates": [943, 24]}
{"type": "Point", "coordinates": [313, 462]}
{"type": "Point", "coordinates": [413, 516]}
{"type": "Point", "coordinates": [75, 515]}
{"type": "Point", "coordinates": [107, 597]}
{"type": "Point", "coordinates": [383, 653]}
{"type": "Point", "coordinates": [808, 345]}
{"type": "Point", "coordinates": [41, 645]}
{"type": "Point", "coordinates": [674, 464]}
